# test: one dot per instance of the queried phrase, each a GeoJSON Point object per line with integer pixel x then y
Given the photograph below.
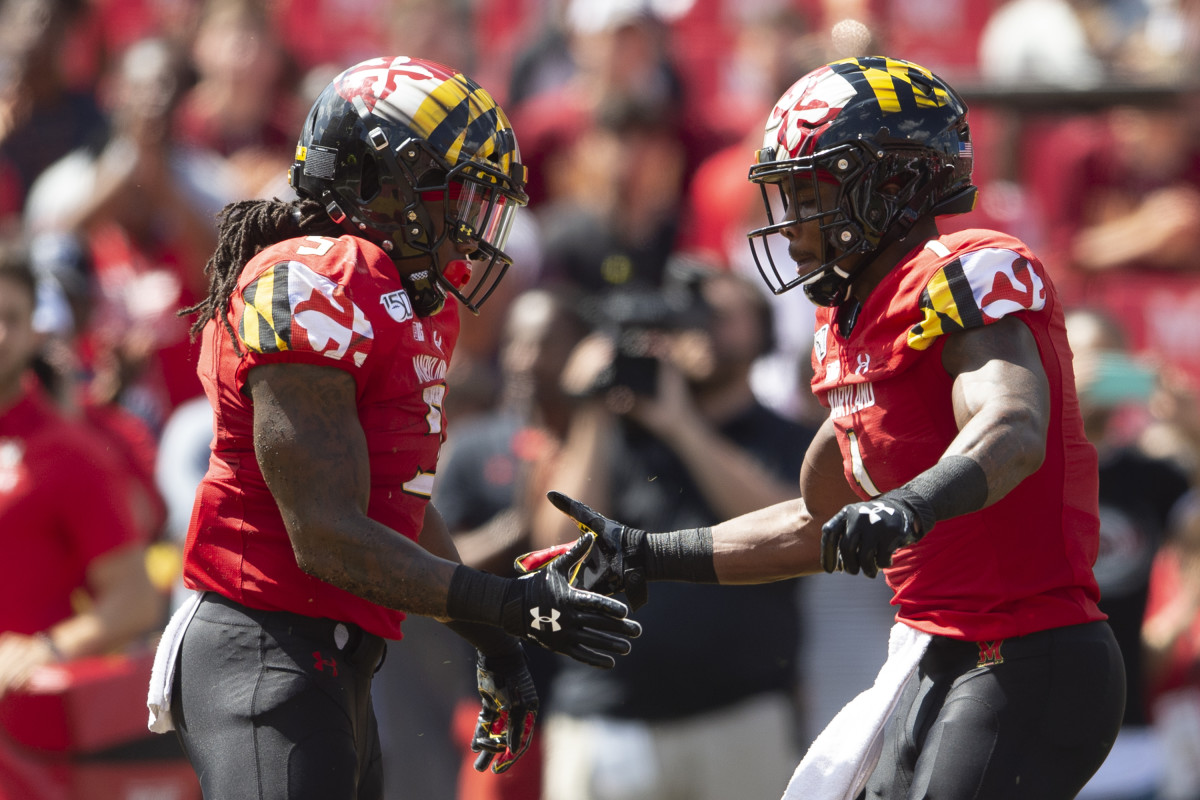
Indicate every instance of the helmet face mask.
{"type": "Point", "coordinates": [892, 138]}
{"type": "Point", "coordinates": [410, 154]}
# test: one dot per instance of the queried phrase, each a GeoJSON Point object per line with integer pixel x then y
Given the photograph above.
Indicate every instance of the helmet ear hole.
{"type": "Point", "coordinates": [432, 179]}
{"type": "Point", "coordinates": [368, 182]}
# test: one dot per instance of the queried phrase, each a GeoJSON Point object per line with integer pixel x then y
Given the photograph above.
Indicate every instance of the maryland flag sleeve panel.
{"type": "Point", "coordinates": [975, 289]}
{"type": "Point", "coordinates": [290, 308]}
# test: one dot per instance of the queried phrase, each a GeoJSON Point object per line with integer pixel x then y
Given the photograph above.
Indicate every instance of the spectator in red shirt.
{"type": "Point", "coordinates": [65, 522]}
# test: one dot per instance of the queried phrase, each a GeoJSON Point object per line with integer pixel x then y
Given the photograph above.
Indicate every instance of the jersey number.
{"type": "Point", "coordinates": [858, 467]}
{"type": "Point", "coordinates": [321, 245]}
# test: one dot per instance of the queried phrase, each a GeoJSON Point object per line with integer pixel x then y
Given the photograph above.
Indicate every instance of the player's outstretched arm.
{"type": "Point", "coordinates": [313, 455]}
{"type": "Point", "coordinates": [774, 543]}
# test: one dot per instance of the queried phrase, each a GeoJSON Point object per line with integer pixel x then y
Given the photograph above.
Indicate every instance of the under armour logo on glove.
{"type": "Point", "coordinates": [586, 626]}
{"type": "Point", "coordinates": [539, 620]}
{"type": "Point", "coordinates": [873, 510]}
{"type": "Point", "coordinates": [865, 535]}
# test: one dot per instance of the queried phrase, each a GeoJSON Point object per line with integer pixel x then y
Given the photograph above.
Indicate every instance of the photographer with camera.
{"type": "Point", "coordinates": [668, 434]}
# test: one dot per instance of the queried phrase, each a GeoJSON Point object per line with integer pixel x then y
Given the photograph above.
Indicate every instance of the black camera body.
{"type": "Point", "coordinates": [635, 319]}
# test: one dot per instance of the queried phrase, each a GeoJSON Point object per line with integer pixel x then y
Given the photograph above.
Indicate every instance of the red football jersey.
{"type": "Point", "coordinates": [1023, 564]}
{"type": "Point", "coordinates": [337, 303]}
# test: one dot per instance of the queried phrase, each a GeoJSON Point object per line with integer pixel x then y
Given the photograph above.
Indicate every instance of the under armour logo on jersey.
{"type": "Point", "coordinates": [864, 363]}
{"type": "Point", "coordinates": [540, 621]}
{"type": "Point", "coordinates": [874, 511]}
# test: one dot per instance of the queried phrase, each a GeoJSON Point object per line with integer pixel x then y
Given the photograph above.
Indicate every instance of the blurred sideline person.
{"type": "Point", "coordinates": [75, 583]}
{"type": "Point", "coordinates": [325, 339]}
{"type": "Point", "coordinates": [1171, 649]}
{"type": "Point", "coordinates": [1138, 495]}
{"type": "Point", "coordinates": [953, 459]}
{"type": "Point", "coordinates": [676, 438]}
{"type": "Point", "coordinates": [491, 481]}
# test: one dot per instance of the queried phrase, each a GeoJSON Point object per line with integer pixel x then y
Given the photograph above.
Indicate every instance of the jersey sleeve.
{"type": "Point", "coordinates": [292, 313]}
{"type": "Point", "coordinates": [976, 289]}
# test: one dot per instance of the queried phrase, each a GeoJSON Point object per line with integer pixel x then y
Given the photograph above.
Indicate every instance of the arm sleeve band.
{"type": "Point", "coordinates": [954, 486]}
{"type": "Point", "coordinates": [476, 596]}
{"type": "Point", "coordinates": [685, 555]}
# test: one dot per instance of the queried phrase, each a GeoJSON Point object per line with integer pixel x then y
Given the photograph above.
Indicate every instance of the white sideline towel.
{"type": "Point", "coordinates": [162, 674]}
{"type": "Point", "coordinates": [838, 763]}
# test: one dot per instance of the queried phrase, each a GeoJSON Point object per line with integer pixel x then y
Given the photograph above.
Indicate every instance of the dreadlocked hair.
{"type": "Point", "coordinates": [245, 228]}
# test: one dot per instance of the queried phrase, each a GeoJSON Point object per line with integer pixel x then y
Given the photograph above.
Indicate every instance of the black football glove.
{"type": "Point", "coordinates": [615, 564]}
{"type": "Point", "coordinates": [543, 607]}
{"type": "Point", "coordinates": [510, 708]}
{"type": "Point", "coordinates": [864, 535]}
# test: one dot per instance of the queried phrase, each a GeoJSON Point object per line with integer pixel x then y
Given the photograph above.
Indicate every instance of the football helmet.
{"type": "Point", "coordinates": [892, 137]}
{"type": "Point", "coordinates": [406, 152]}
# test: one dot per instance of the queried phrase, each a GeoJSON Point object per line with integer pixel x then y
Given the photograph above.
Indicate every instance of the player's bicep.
{"type": "Point", "coordinates": [1001, 399]}
{"type": "Point", "coordinates": [823, 482]}
{"type": "Point", "coordinates": [997, 369]}
{"type": "Point", "coordinates": [310, 445]}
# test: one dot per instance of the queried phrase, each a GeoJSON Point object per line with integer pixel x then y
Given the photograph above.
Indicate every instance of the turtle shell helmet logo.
{"type": "Point", "coordinates": [375, 80]}
{"type": "Point", "coordinates": [804, 111]}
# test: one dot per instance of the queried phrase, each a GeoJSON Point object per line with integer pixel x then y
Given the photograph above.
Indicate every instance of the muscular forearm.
{"type": "Point", "coordinates": [1007, 441]}
{"type": "Point", "coordinates": [774, 543]}
{"type": "Point", "coordinates": [370, 560]}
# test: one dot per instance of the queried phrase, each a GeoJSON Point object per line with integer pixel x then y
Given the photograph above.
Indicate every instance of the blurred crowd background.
{"type": "Point", "coordinates": [632, 341]}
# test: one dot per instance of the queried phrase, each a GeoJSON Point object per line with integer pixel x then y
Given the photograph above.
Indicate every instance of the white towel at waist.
{"type": "Point", "coordinates": [838, 763]}
{"type": "Point", "coordinates": [162, 674]}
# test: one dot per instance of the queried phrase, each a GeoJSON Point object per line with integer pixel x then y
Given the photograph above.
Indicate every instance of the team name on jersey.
{"type": "Point", "coordinates": [851, 398]}
{"type": "Point", "coordinates": [429, 368]}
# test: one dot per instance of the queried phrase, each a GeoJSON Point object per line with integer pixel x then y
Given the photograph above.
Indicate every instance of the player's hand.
{"type": "Point", "coordinates": [510, 709]}
{"type": "Point", "coordinates": [544, 608]}
{"type": "Point", "coordinates": [864, 535]}
{"type": "Point", "coordinates": [615, 563]}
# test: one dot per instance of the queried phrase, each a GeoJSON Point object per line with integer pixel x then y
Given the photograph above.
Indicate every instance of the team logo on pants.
{"type": "Point", "coordinates": [989, 653]}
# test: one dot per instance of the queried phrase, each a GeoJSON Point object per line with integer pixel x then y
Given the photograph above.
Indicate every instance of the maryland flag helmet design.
{"type": "Point", "coordinates": [893, 138]}
{"type": "Point", "coordinates": [407, 152]}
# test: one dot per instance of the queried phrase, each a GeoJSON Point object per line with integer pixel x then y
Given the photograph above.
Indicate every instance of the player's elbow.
{"type": "Point", "coordinates": [312, 542]}
{"type": "Point", "coordinates": [1026, 437]}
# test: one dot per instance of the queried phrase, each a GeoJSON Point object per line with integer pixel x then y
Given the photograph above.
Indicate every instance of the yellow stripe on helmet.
{"type": "Point", "coordinates": [925, 93]}
{"type": "Point", "coordinates": [440, 103]}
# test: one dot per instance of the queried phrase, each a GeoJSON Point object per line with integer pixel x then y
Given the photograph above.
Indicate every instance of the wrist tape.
{"type": "Point", "coordinates": [954, 486]}
{"type": "Point", "coordinates": [476, 596]}
{"type": "Point", "coordinates": [685, 555]}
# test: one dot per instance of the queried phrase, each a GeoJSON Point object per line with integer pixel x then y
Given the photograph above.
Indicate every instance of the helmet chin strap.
{"type": "Point", "coordinates": [423, 290]}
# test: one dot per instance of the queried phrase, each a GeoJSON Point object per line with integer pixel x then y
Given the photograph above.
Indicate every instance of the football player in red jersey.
{"type": "Point", "coordinates": [953, 458]}
{"type": "Point", "coordinates": [325, 341]}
